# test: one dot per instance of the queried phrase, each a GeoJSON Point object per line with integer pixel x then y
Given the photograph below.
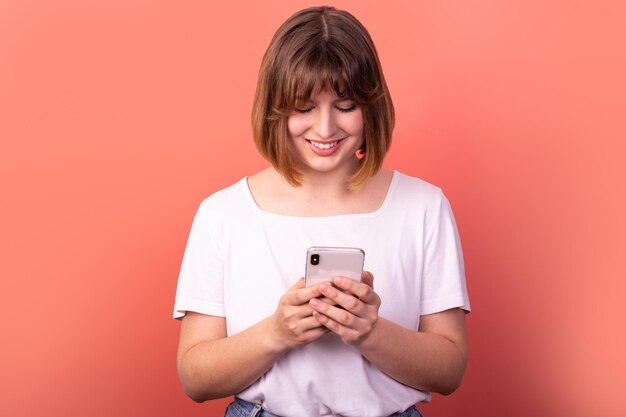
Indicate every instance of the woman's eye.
{"type": "Point", "coordinates": [346, 109]}
{"type": "Point", "coordinates": [303, 109]}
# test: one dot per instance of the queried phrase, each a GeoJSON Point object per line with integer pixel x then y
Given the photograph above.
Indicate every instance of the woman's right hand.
{"type": "Point", "coordinates": [293, 323]}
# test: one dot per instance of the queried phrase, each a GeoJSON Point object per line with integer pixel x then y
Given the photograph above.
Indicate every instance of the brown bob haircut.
{"type": "Point", "coordinates": [321, 48]}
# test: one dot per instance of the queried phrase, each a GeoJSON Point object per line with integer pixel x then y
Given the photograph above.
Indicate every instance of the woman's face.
{"type": "Point", "coordinates": [325, 133]}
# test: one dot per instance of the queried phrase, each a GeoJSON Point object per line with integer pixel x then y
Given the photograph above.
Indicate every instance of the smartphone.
{"type": "Point", "coordinates": [323, 263]}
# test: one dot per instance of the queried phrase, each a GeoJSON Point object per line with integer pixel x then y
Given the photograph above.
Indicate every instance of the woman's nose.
{"type": "Point", "coordinates": [325, 125]}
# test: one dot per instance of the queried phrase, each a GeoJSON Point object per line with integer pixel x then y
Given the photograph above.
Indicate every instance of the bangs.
{"type": "Point", "coordinates": [320, 69]}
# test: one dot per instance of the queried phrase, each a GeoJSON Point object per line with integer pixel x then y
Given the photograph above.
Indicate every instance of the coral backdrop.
{"type": "Point", "coordinates": [118, 117]}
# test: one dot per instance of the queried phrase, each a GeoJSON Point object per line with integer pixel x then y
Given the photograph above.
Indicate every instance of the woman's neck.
{"type": "Point", "coordinates": [327, 186]}
{"type": "Point", "coordinates": [319, 195]}
{"type": "Point", "coordinates": [331, 183]}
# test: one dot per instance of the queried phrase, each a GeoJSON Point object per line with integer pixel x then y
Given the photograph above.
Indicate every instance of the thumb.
{"type": "Point", "coordinates": [367, 278]}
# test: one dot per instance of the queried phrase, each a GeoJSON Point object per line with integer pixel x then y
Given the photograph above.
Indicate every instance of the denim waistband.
{"type": "Point", "coordinates": [242, 408]}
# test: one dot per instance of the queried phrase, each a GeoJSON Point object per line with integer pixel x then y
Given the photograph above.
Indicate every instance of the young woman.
{"type": "Point", "coordinates": [323, 118]}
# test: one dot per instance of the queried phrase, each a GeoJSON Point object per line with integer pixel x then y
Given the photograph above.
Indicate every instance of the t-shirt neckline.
{"type": "Point", "coordinates": [255, 207]}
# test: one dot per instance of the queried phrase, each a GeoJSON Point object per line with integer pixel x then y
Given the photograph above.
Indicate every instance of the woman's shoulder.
{"type": "Point", "coordinates": [415, 195]}
{"type": "Point", "coordinates": [226, 200]}
{"type": "Point", "coordinates": [415, 188]}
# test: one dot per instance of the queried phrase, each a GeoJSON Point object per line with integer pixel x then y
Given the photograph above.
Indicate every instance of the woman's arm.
{"type": "Point", "coordinates": [431, 359]}
{"type": "Point", "coordinates": [212, 365]}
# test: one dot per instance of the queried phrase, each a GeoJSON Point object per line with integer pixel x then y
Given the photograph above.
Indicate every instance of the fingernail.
{"type": "Point", "coordinates": [339, 281]}
{"type": "Point", "coordinates": [324, 288]}
{"type": "Point", "coordinates": [315, 302]}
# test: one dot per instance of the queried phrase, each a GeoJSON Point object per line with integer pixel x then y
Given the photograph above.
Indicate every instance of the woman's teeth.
{"type": "Point", "coordinates": [324, 145]}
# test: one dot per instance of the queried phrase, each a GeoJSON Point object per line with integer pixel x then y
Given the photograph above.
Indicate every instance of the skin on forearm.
{"type": "Point", "coordinates": [431, 359]}
{"type": "Point", "coordinates": [421, 360]}
{"type": "Point", "coordinates": [212, 365]}
{"type": "Point", "coordinates": [225, 366]}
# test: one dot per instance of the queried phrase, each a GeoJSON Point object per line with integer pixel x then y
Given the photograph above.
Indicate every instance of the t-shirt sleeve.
{"type": "Point", "coordinates": [443, 282]}
{"type": "Point", "coordinates": [201, 283]}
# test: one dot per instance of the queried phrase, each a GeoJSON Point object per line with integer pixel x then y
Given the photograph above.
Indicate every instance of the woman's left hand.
{"type": "Point", "coordinates": [356, 311]}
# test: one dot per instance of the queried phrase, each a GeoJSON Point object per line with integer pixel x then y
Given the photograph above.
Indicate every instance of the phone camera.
{"type": "Point", "coordinates": [315, 259]}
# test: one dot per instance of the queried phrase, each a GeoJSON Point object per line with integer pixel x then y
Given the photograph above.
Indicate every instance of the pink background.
{"type": "Point", "coordinates": [117, 118]}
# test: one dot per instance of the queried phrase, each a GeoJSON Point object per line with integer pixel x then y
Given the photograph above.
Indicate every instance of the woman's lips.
{"type": "Point", "coordinates": [324, 148]}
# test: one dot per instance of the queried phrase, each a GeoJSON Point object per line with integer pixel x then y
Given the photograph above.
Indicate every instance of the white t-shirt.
{"type": "Point", "coordinates": [240, 260]}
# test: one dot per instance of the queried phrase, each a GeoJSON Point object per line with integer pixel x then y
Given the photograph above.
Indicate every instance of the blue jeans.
{"type": "Point", "coordinates": [241, 408]}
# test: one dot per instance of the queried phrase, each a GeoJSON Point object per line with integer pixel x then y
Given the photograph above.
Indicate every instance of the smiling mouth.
{"type": "Point", "coordinates": [324, 145]}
